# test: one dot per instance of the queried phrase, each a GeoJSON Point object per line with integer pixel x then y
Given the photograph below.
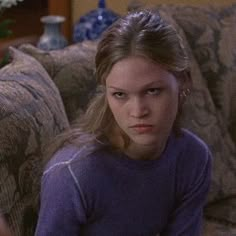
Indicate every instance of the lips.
{"type": "Point", "coordinates": [142, 128]}
{"type": "Point", "coordinates": [140, 125]}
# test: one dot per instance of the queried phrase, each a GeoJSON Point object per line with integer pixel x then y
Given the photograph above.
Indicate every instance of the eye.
{"type": "Point", "coordinates": [118, 95]}
{"type": "Point", "coordinates": [153, 91]}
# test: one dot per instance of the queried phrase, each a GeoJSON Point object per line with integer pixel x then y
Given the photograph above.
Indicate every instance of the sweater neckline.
{"type": "Point", "coordinates": [125, 160]}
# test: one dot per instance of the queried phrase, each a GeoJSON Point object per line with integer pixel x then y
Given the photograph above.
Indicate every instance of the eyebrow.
{"type": "Point", "coordinates": [154, 83]}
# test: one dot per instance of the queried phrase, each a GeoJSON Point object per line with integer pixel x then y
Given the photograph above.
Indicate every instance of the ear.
{"type": "Point", "coordinates": [185, 86]}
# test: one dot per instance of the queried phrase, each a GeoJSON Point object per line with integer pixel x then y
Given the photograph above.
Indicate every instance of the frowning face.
{"type": "Point", "coordinates": [143, 98]}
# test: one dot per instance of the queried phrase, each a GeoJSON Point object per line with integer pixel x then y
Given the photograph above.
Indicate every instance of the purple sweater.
{"type": "Point", "coordinates": [107, 194]}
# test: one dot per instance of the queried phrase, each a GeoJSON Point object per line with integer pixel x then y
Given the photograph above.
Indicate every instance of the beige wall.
{"type": "Point", "coordinates": [80, 7]}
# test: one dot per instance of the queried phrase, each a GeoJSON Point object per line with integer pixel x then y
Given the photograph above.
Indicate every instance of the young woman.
{"type": "Point", "coordinates": [128, 169]}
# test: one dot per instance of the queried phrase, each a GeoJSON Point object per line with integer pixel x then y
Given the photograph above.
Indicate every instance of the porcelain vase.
{"type": "Point", "coordinates": [52, 38]}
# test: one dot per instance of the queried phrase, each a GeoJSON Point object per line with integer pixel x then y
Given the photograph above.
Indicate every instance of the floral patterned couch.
{"type": "Point", "coordinates": [42, 93]}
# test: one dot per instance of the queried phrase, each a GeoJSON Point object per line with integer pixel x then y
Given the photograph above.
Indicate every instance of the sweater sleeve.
{"type": "Point", "coordinates": [187, 215]}
{"type": "Point", "coordinates": [62, 210]}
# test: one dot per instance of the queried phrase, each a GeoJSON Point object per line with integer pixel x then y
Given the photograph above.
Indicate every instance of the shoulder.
{"type": "Point", "coordinates": [193, 168]}
{"type": "Point", "coordinates": [73, 169]}
{"type": "Point", "coordinates": [193, 143]}
{"type": "Point", "coordinates": [66, 157]}
{"type": "Point", "coordinates": [61, 158]}
{"type": "Point", "coordinates": [195, 153]}
{"type": "Point", "coordinates": [76, 162]}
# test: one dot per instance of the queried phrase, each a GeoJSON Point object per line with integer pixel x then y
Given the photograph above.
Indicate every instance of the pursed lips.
{"type": "Point", "coordinates": [140, 125]}
{"type": "Point", "coordinates": [141, 128]}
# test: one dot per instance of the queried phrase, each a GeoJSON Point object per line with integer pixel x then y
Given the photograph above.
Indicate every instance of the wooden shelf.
{"type": "Point", "coordinates": [27, 27]}
{"type": "Point", "coordinates": [26, 18]}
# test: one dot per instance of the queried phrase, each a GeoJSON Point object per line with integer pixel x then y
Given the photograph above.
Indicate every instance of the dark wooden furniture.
{"type": "Point", "coordinates": [27, 27]}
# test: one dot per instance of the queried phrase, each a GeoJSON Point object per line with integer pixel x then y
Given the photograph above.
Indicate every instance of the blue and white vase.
{"type": "Point", "coordinates": [52, 38]}
{"type": "Point", "coordinates": [91, 25]}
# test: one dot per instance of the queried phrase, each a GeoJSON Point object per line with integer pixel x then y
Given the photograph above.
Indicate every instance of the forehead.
{"type": "Point", "coordinates": [137, 71]}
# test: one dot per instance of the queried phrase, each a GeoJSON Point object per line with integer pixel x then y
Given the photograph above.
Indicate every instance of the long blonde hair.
{"type": "Point", "coordinates": [139, 33]}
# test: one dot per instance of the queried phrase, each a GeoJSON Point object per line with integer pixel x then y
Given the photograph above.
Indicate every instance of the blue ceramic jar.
{"type": "Point", "coordinates": [91, 25]}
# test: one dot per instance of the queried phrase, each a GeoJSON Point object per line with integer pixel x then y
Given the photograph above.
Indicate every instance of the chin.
{"type": "Point", "coordinates": [145, 141]}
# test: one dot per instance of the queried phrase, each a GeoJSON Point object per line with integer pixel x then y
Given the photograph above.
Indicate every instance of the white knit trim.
{"type": "Point", "coordinates": [77, 184]}
{"type": "Point", "coordinates": [63, 162]}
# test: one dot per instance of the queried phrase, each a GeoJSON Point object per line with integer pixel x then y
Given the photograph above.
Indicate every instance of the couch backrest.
{"type": "Point", "coordinates": [31, 113]}
{"type": "Point", "coordinates": [73, 71]}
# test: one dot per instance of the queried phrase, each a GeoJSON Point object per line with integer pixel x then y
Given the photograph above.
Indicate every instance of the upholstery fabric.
{"type": "Point", "coordinates": [212, 228]}
{"type": "Point", "coordinates": [31, 112]}
{"type": "Point", "coordinates": [72, 70]}
{"type": "Point", "coordinates": [202, 117]}
{"type": "Point", "coordinates": [211, 33]}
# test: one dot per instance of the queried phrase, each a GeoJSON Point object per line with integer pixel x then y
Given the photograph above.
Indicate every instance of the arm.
{"type": "Point", "coordinates": [186, 218]}
{"type": "Point", "coordinates": [62, 208]}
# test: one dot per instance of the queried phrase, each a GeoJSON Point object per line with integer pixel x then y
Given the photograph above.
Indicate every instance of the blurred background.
{"type": "Point", "coordinates": [25, 16]}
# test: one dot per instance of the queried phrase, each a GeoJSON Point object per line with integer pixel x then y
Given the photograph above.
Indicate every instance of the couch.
{"type": "Point", "coordinates": [43, 93]}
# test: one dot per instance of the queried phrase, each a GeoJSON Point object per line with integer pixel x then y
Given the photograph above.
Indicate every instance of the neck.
{"type": "Point", "coordinates": [144, 152]}
{"type": "Point", "coordinates": [136, 151]}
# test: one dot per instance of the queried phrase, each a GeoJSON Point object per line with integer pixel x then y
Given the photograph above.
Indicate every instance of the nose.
{"type": "Point", "coordinates": [138, 108]}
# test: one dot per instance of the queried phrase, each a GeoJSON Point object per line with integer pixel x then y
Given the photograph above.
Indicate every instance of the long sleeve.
{"type": "Point", "coordinates": [186, 219]}
{"type": "Point", "coordinates": [62, 207]}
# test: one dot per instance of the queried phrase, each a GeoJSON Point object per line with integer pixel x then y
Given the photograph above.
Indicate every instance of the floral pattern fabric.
{"type": "Point", "coordinates": [31, 112]}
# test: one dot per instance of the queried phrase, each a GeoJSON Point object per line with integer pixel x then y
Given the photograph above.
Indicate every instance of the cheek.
{"type": "Point", "coordinates": [118, 112]}
{"type": "Point", "coordinates": [110, 103]}
{"type": "Point", "coordinates": [113, 105]}
{"type": "Point", "coordinates": [173, 105]}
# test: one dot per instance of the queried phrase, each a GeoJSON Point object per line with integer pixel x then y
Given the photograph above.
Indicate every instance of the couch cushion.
{"type": "Point", "coordinates": [72, 70]}
{"type": "Point", "coordinates": [211, 32]}
{"type": "Point", "coordinates": [31, 112]}
{"type": "Point", "coordinates": [212, 228]}
{"type": "Point", "coordinates": [219, 211]}
{"type": "Point", "coordinates": [202, 117]}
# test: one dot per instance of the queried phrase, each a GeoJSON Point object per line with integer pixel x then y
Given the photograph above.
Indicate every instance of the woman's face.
{"type": "Point", "coordinates": [143, 98]}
